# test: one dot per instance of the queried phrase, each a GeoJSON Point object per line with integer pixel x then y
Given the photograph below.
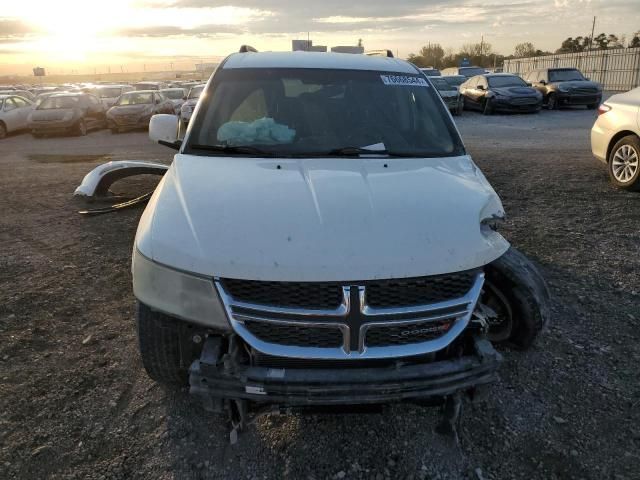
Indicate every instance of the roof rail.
{"type": "Point", "coordinates": [379, 53]}
{"type": "Point", "coordinates": [247, 48]}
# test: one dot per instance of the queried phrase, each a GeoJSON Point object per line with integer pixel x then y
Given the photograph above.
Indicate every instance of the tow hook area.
{"type": "Point", "coordinates": [227, 385]}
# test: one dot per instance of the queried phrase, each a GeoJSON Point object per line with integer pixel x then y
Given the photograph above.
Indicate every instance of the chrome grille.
{"type": "Point", "coordinates": [584, 90]}
{"type": "Point", "coordinates": [369, 320]}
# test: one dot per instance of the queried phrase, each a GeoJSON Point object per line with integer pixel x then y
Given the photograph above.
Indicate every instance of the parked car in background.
{"type": "Point", "coordinates": [431, 72]}
{"type": "Point", "coordinates": [14, 113]}
{"type": "Point", "coordinates": [464, 71]}
{"type": "Point", "coordinates": [22, 93]}
{"type": "Point", "coordinates": [500, 92]}
{"type": "Point", "coordinates": [75, 113]}
{"type": "Point", "coordinates": [454, 80]}
{"type": "Point", "coordinates": [40, 97]}
{"type": "Point", "coordinates": [565, 86]}
{"type": "Point", "coordinates": [150, 85]}
{"type": "Point", "coordinates": [134, 110]}
{"type": "Point", "coordinates": [192, 100]}
{"type": "Point", "coordinates": [109, 94]}
{"type": "Point", "coordinates": [177, 95]}
{"type": "Point", "coordinates": [449, 93]}
{"type": "Point", "coordinates": [615, 138]}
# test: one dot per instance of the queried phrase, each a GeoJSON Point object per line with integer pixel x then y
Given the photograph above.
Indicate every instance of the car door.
{"type": "Point", "coordinates": [24, 109]}
{"type": "Point", "coordinates": [11, 114]}
{"type": "Point", "coordinates": [466, 89]}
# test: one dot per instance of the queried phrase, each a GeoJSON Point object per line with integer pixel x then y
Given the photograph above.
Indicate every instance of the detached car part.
{"type": "Point", "coordinates": [97, 182]}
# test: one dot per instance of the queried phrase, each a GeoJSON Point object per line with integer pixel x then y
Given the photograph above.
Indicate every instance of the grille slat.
{"type": "Point", "coordinates": [318, 295]}
{"type": "Point", "coordinates": [295, 335]}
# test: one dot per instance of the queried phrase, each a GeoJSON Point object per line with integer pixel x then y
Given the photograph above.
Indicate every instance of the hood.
{"type": "Point", "coordinates": [52, 115]}
{"type": "Point", "coordinates": [578, 84]}
{"type": "Point", "coordinates": [321, 219]}
{"type": "Point", "coordinates": [516, 91]}
{"type": "Point", "coordinates": [130, 109]}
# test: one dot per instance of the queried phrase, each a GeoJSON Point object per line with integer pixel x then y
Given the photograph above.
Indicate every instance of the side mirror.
{"type": "Point", "coordinates": [529, 84]}
{"type": "Point", "coordinates": [543, 82]}
{"type": "Point", "coordinates": [184, 98]}
{"type": "Point", "coordinates": [163, 128]}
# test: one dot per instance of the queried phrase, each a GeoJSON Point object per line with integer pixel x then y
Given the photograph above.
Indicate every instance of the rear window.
{"type": "Point", "coordinates": [53, 102]}
{"type": "Point", "coordinates": [135, 98]}
{"type": "Point", "coordinates": [313, 112]}
{"type": "Point", "coordinates": [471, 71]}
{"type": "Point", "coordinates": [176, 94]}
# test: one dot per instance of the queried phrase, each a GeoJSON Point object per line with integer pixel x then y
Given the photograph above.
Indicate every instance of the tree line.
{"type": "Point", "coordinates": [482, 54]}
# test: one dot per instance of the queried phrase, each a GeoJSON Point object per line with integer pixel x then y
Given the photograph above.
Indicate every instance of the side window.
{"type": "Point", "coordinates": [21, 103]}
{"type": "Point", "coordinates": [253, 107]}
{"type": "Point", "coordinates": [9, 104]}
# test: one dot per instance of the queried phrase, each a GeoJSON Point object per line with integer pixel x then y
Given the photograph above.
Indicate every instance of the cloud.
{"type": "Point", "coordinates": [12, 29]}
{"type": "Point", "coordinates": [201, 31]}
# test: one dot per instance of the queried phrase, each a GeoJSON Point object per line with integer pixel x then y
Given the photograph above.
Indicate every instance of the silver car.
{"type": "Point", "coordinates": [615, 138]}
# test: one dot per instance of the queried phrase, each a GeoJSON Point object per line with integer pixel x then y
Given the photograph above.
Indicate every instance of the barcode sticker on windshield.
{"type": "Point", "coordinates": [404, 80]}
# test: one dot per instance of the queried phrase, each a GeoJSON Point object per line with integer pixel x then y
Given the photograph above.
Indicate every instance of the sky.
{"type": "Point", "coordinates": [86, 36]}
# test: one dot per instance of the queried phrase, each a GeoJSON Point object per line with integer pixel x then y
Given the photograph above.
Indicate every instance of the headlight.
{"type": "Point", "coordinates": [186, 296]}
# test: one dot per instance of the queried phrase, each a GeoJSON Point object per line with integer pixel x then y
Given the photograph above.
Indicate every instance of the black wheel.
{"type": "Point", "coordinates": [552, 102]}
{"type": "Point", "coordinates": [3, 130]}
{"type": "Point", "coordinates": [81, 128]}
{"type": "Point", "coordinates": [159, 342]}
{"type": "Point", "coordinates": [624, 163]}
{"type": "Point", "coordinates": [460, 107]}
{"type": "Point", "coordinates": [514, 300]}
{"type": "Point", "coordinates": [488, 107]}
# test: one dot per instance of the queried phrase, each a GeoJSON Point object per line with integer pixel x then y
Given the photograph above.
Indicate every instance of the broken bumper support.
{"type": "Point", "coordinates": [210, 379]}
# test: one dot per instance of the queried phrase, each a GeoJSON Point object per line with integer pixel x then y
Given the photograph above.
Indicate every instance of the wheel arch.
{"type": "Point", "coordinates": [616, 138]}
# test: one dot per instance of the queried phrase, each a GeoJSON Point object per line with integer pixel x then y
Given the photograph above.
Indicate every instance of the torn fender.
{"type": "Point", "coordinates": [96, 183]}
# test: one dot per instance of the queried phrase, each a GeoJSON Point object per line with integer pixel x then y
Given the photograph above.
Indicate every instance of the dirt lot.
{"type": "Point", "coordinates": [76, 403]}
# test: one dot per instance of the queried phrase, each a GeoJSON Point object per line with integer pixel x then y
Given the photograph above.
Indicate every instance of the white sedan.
{"type": "Point", "coordinates": [14, 112]}
{"type": "Point", "coordinates": [615, 138]}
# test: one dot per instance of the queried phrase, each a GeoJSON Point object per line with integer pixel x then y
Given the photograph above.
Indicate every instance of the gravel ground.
{"type": "Point", "coordinates": [76, 403]}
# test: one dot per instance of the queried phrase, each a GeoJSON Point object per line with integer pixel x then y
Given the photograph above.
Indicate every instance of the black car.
{"type": "Point", "coordinates": [500, 92]}
{"type": "Point", "coordinates": [75, 113]}
{"type": "Point", "coordinates": [565, 86]}
{"type": "Point", "coordinates": [449, 93]}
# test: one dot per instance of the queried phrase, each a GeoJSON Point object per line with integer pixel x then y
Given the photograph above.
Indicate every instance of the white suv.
{"type": "Point", "coordinates": [322, 237]}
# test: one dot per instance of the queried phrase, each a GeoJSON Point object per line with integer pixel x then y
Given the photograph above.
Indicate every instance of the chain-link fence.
{"type": "Point", "coordinates": [616, 69]}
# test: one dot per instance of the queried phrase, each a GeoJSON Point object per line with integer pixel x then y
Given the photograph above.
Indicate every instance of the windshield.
{"type": "Point", "coordinates": [565, 75]}
{"type": "Point", "coordinates": [471, 71]}
{"type": "Point", "coordinates": [109, 92]}
{"type": "Point", "coordinates": [441, 84]}
{"type": "Point", "coordinates": [195, 92]}
{"type": "Point", "coordinates": [506, 81]}
{"type": "Point", "coordinates": [176, 94]}
{"type": "Point", "coordinates": [314, 112]}
{"type": "Point", "coordinates": [136, 98]}
{"type": "Point", "coordinates": [51, 103]}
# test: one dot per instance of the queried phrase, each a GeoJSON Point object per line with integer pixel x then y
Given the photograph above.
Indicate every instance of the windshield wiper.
{"type": "Point", "coordinates": [233, 149]}
{"type": "Point", "coordinates": [357, 151]}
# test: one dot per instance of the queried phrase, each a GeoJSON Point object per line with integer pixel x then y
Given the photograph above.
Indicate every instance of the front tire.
{"type": "Point", "coordinates": [3, 130]}
{"type": "Point", "coordinates": [624, 163]}
{"type": "Point", "coordinates": [518, 295]}
{"type": "Point", "coordinates": [552, 102]}
{"type": "Point", "coordinates": [159, 342]}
